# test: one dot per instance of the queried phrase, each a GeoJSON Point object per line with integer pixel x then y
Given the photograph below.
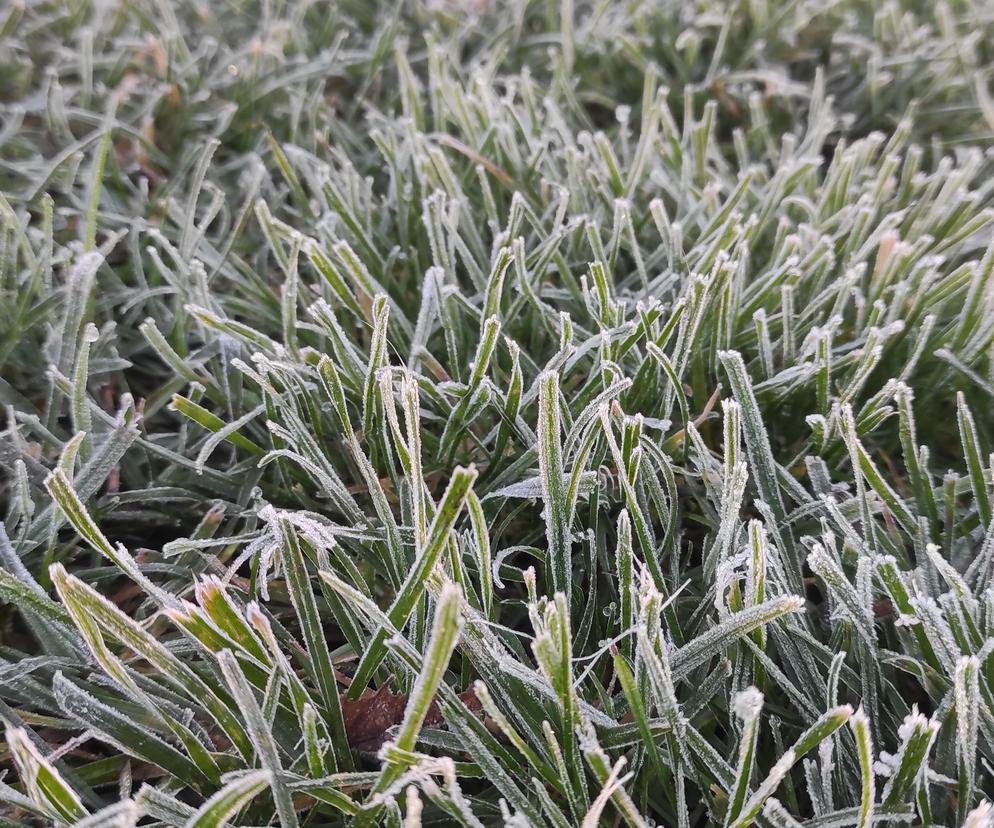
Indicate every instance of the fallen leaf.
{"type": "Point", "coordinates": [368, 718]}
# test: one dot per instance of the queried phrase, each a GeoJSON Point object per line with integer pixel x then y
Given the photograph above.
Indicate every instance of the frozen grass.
{"type": "Point", "coordinates": [582, 377]}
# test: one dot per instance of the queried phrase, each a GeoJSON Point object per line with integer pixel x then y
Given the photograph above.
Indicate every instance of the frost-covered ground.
{"type": "Point", "coordinates": [541, 413]}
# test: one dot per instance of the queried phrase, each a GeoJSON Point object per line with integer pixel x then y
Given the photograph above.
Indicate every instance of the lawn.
{"type": "Point", "coordinates": [496, 412]}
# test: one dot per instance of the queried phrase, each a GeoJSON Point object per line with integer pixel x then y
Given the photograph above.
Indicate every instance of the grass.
{"type": "Point", "coordinates": [529, 413]}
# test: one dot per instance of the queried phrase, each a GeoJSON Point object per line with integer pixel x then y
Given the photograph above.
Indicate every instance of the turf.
{"type": "Point", "coordinates": [530, 413]}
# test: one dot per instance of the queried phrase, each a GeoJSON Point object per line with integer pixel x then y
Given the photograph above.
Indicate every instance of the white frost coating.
{"type": "Point", "coordinates": [886, 764]}
{"type": "Point", "coordinates": [412, 817]}
{"type": "Point", "coordinates": [727, 573]}
{"type": "Point", "coordinates": [914, 721]}
{"type": "Point", "coordinates": [980, 817]}
{"type": "Point", "coordinates": [748, 703]}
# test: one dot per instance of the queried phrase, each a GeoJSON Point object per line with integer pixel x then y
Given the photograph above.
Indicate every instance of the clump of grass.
{"type": "Point", "coordinates": [527, 413]}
